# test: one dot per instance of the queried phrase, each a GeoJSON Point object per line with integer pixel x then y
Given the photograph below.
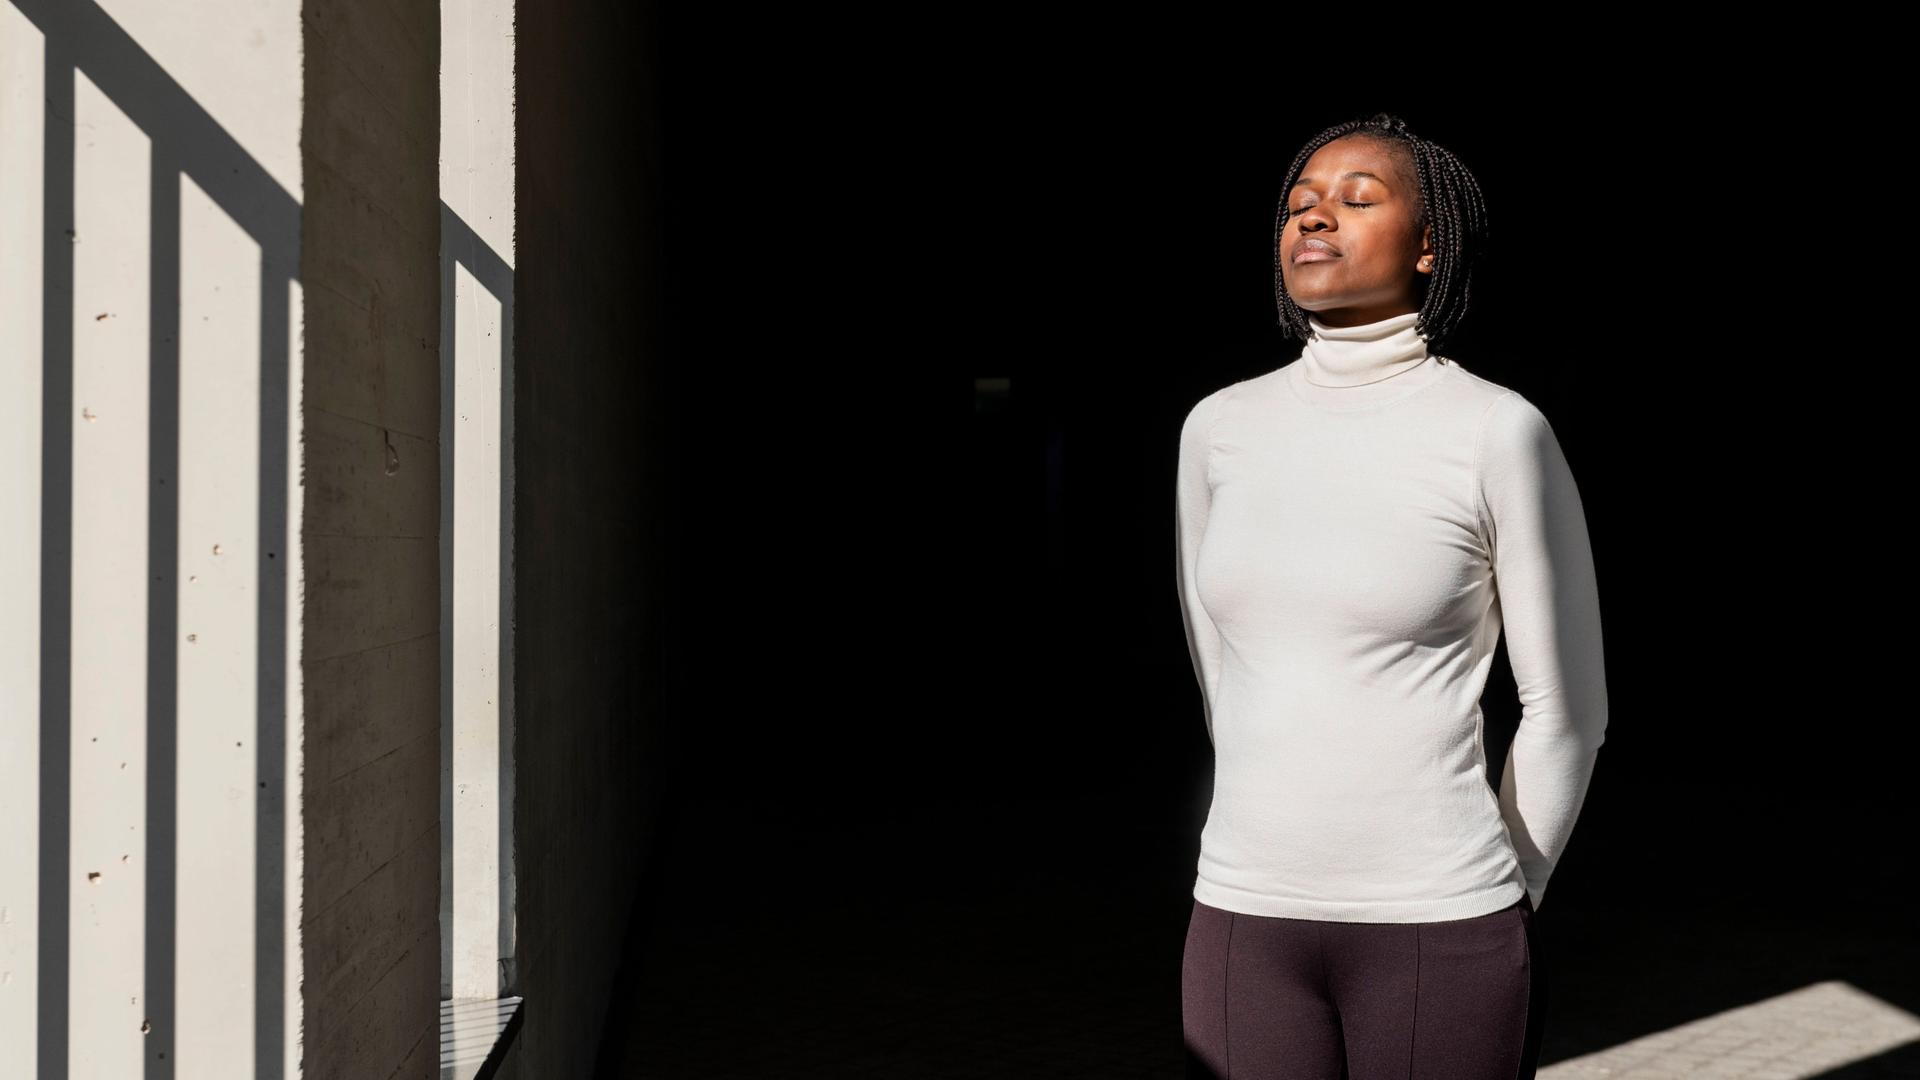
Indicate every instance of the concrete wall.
{"type": "Point", "coordinates": [476, 528]}
{"type": "Point", "coordinates": [150, 191]}
{"type": "Point", "coordinates": [593, 453]}
{"type": "Point", "coordinates": [257, 590]}
{"type": "Point", "coordinates": [371, 264]}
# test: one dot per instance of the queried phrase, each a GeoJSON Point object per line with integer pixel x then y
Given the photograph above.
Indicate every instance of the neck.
{"type": "Point", "coordinates": [1361, 368]}
{"type": "Point", "coordinates": [1356, 355]}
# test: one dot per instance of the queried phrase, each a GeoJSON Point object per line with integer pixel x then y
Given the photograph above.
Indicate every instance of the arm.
{"type": "Point", "coordinates": [1192, 499]}
{"type": "Point", "coordinates": [1544, 577]}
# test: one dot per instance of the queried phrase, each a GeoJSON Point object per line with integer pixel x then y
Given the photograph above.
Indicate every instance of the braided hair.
{"type": "Point", "coordinates": [1450, 201]}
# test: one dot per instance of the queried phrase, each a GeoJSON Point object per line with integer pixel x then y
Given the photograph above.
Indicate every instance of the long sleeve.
{"type": "Point", "coordinates": [1549, 602]}
{"type": "Point", "coordinates": [1192, 498]}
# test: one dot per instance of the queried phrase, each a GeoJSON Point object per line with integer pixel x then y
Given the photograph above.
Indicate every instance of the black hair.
{"type": "Point", "coordinates": [1450, 201]}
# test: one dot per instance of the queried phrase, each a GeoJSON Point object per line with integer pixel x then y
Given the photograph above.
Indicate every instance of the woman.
{"type": "Point", "coordinates": [1355, 531]}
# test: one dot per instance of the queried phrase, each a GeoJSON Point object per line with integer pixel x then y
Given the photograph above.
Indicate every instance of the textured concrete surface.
{"type": "Point", "coordinates": [371, 662]}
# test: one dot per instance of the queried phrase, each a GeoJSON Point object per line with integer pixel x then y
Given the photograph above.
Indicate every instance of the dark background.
{"type": "Point", "coordinates": [932, 792]}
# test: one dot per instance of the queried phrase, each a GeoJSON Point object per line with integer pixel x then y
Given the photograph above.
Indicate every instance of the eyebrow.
{"type": "Point", "coordinates": [1357, 173]}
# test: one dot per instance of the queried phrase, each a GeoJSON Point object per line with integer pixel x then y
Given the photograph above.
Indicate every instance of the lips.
{"type": "Point", "coordinates": [1313, 249]}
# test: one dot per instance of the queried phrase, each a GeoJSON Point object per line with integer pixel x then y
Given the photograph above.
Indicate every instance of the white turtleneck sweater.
{"type": "Point", "coordinates": [1354, 530]}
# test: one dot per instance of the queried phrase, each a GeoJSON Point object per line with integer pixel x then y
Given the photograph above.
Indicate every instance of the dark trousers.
{"type": "Point", "coordinates": [1298, 999]}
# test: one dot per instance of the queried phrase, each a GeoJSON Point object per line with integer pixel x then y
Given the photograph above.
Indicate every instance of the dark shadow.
{"type": "Point", "coordinates": [56, 558]}
{"type": "Point", "coordinates": [974, 856]}
{"type": "Point", "coordinates": [278, 267]}
{"type": "Point", "coordinates": [1901, 1061]}
{"type": "Point", "coordinates": [163, 616]}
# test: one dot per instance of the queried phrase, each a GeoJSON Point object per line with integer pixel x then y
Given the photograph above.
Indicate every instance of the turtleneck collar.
{"type": "Point", "coordinates": [1347, 368]}
{"type": "Point", "coordinates": [1355, 355]}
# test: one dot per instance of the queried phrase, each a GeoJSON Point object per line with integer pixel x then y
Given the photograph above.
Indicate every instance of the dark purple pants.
{"type": "Point", "coordinates": [1298, 999]}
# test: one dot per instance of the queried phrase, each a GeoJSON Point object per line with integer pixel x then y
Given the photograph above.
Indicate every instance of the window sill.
{"type": "Point", "coordinates": [475, 1034]}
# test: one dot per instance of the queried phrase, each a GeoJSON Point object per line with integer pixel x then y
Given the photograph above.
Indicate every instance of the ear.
{"type": "Point", "coordinates": [1427, 255]}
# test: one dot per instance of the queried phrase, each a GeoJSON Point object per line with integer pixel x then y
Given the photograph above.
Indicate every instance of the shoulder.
{"type": "Point", "coordinates": [1196, 431]}
{"type": "Point", "coordinates": [1515, 449]}
{"type": "Point", "coordinates": [1506, 420]}
{"type": "Point", "coordinates": [1486, 398]}
{"type": "Point", "coordinates": [1201, 414]}
{"type": "Point", "coordinates": [1514, 427]}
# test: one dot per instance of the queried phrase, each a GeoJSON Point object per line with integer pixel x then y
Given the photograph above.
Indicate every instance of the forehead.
{"type": "Point", "coordinates": [1347, 159]}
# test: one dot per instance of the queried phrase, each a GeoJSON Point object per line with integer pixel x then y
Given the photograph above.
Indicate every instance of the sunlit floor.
{"type": "Point", "coordinates": [1005, 956]}
{"type": "Point", "coordinates": [1814, 1031]}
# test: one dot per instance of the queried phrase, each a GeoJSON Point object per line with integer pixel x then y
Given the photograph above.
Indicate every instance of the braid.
{"type": "Point", "coordinates": [1450, 202]}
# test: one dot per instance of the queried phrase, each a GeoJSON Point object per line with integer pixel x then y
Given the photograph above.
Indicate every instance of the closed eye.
{"type": "Point", "coordinates": [1304, 209]}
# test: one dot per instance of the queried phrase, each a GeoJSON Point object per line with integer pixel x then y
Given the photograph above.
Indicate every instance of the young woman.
{"type": "Point", "coordinates": [1355, 531]}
